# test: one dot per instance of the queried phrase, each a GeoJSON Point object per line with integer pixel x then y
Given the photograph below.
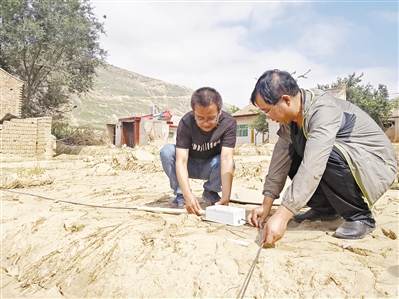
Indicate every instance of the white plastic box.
{"type": "Point", "coordinates": [225, 214]}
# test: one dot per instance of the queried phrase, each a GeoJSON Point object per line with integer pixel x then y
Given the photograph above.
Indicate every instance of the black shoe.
{"type": "Point", "coordinates": [313, 215]}
{"type": "Point", "coordinates": [178, 203]}
{"type": "Point", "coordinates": [353, 230]}
{"type": "Point", "coordinates": [210, 196]}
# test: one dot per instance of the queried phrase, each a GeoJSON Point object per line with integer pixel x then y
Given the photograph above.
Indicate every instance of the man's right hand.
{"type": "Point", "coordinates": [192, 204]}
{"type": "Point", "coordinates": [262, 211]}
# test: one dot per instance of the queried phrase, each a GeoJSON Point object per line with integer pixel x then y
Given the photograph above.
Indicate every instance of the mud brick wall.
{"type": "Point", "coordinates": [28, 138]}
{"type": "Point", "coordinates": [44, 149]}
{"type": "Point", "coordinates": [10, 94]}
{"type": "Point", "coordinates": [154, 131]}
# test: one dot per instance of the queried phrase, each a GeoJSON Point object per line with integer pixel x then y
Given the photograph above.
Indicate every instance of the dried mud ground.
{"type": "Point", "coordinates": [70, 227]}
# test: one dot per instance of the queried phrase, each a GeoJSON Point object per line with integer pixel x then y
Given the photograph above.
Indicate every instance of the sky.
{"type": "Point", "coordinates": [227, 45]}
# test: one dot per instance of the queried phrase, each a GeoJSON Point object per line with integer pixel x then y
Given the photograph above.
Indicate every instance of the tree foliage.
{"type": "Point", "coordinates": [53, 46]}
{"type": "Point", "coordinates": [232, 109]}
{"type": "Point", "coordinates": [395, 103]}
{"type": "Point", "coordinates": [374, 102]}
{"type": "Point", "coordinates": [260, 124]}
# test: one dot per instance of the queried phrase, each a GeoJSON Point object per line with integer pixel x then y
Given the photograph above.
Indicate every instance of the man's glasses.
{"type": "Point", "coordinates": [268, 112]}
{"type": "Point", "coordinates": [211, 120]}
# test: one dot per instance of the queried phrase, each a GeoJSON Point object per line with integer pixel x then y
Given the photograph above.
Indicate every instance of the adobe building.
{"type": "Point", "coordinates": [21, 139]}
{"type": "Point", "coordinates": [141, 130]}
{"type": "Point", "coordinates": [11, 94]}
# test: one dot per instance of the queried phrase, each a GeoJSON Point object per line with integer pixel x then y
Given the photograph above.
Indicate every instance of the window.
{"type": "Point", "coordinates": [242, 130]}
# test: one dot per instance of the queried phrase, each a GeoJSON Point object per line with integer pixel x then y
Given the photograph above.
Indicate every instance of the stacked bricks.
{"type": "Point", "coordinates": [44, 149]}
{"type": "Point", "coordinates": [10, 94]}
{"type": "Point", "coordinates": [26, 139]}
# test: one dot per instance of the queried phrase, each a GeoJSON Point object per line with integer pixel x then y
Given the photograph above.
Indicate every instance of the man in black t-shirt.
{"type": "Point", "coordinates": [206, 137]}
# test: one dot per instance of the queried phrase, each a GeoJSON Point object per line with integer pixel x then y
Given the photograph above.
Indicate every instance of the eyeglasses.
{"type": "Point", "coordinates": [268, 112]}
{"type": "Point", "coordinates": [211, 120]}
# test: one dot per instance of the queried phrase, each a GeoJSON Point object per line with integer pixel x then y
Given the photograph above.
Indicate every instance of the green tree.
{"type": "Point", "coordinates": [260, 124]}
{"type": "Point", "coordinates": [374, 102]}
{"type": "Point", "coordinates": [232, 109]}
{"type": "Point", "coordinates": [395, 103]}
{"type": "Point", "coordinates": [53, 46]}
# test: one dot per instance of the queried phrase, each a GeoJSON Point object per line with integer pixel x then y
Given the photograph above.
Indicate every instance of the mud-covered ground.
{"type": "Point", "coordinates": [72, 227]}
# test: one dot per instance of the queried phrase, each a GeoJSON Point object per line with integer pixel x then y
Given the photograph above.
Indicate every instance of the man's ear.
{"type": "Point", "coordinates": [286, 99]}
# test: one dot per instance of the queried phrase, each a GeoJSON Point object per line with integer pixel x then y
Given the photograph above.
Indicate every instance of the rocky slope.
{"type": "Point", "coordinates": [119, 93]}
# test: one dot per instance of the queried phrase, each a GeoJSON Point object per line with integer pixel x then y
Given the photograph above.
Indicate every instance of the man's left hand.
{"type": "Point", "coordinates": [276, 226]}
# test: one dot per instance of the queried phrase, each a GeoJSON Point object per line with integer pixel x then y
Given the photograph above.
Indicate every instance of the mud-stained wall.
{"type": "Point", "coordinates": [29, 138]}
{"type": "Point", "coordinates": [10, 94]}
{"type": "Point", "coordinates": [153, 131]}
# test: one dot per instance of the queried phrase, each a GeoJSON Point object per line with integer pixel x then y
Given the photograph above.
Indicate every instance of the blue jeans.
{"type": "Point", "coordinates": [203, 169]}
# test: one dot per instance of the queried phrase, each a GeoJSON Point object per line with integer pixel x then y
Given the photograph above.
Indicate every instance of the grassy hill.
{"type": "Point", "coordinates": [119, 93]}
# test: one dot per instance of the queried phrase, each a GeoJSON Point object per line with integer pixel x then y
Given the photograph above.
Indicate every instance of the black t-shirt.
{"type": "Point", "coordinates": [205, 145]}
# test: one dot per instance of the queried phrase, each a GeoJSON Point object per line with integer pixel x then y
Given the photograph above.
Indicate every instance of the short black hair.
{"type": "Point", "coordinates": [272, 85]}
{"type": "Point", "coordinates": [206, 96]}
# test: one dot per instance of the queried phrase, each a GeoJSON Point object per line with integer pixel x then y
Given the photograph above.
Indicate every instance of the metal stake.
{"type": "Point", "coordinates": [249, 275]}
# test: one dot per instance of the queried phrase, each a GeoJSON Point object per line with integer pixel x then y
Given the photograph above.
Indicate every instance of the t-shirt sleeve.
{"type": "Point", "coordinates": [183, 137]}
{"type": "Point", "coordinates": [230, 136]}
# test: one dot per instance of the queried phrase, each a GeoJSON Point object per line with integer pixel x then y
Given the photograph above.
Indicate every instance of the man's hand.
{"type": "Point", "coordinates": [274, 231]}
{"type": "Point", "coordinates": [262, 211]}
{"type": "Point", "coordinates": [276, 226]}
{"type": "Point", "coordinates": [223, 202]}
{"type": "Point", "coordinates": [192, 204]}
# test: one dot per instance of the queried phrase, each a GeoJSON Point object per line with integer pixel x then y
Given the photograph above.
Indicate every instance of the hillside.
{"type": "Point", "coordinates": [119, 93]}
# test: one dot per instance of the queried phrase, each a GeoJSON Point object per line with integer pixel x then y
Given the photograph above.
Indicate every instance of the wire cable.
{"type": "Point", "coordinates": [71, 202]}
{"type": "Point", "coordinates": [249, 275]}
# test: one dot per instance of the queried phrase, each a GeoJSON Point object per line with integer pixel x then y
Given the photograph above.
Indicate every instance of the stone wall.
{"type": "Point", "coordinates": [10, 94]}
{"type": "Point", "coordinates": [27, 139]}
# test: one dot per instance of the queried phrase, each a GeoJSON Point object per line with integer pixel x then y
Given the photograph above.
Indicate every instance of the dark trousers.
{"type": "Point", "coordinates": [338, 191]}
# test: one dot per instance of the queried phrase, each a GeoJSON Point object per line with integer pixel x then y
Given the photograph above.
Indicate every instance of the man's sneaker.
{"type": "Point", "coordinates": [178, 203]}
{"type": "Point", "coordinates": [210, 196]}
{"type": "Point", "coordinates": [313, 215]}
{"type": "Point", "coordinates": [353, 230]}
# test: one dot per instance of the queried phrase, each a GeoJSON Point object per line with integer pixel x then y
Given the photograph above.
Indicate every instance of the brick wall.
{"type": "Point", "coordinates": [26, 139]}
{"type": "Point", "coordinates": [10, 94]}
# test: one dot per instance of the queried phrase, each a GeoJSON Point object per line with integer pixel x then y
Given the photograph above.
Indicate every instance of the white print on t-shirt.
{"type": "Point", "coordinates": [205, 146]}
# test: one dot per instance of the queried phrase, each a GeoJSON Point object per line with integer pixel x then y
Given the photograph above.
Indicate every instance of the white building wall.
{"type": "Point", "coordinates": [273, 128]}
{"type": "Point", "coordinates": [153, 131]}
{"type": "Point", "coordinates": [118, 134]}
{"type": "Point", "coordinates": [245, 139]}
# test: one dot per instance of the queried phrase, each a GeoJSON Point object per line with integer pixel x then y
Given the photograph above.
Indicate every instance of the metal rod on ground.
{"type": "Point", "coordinates": [249, 275]}
{"type": "Point", "coordinates": [166, 210]}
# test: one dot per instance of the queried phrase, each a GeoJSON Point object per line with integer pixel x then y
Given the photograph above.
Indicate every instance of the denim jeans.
{"type": "Point", "coordinates": [203, 169]}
